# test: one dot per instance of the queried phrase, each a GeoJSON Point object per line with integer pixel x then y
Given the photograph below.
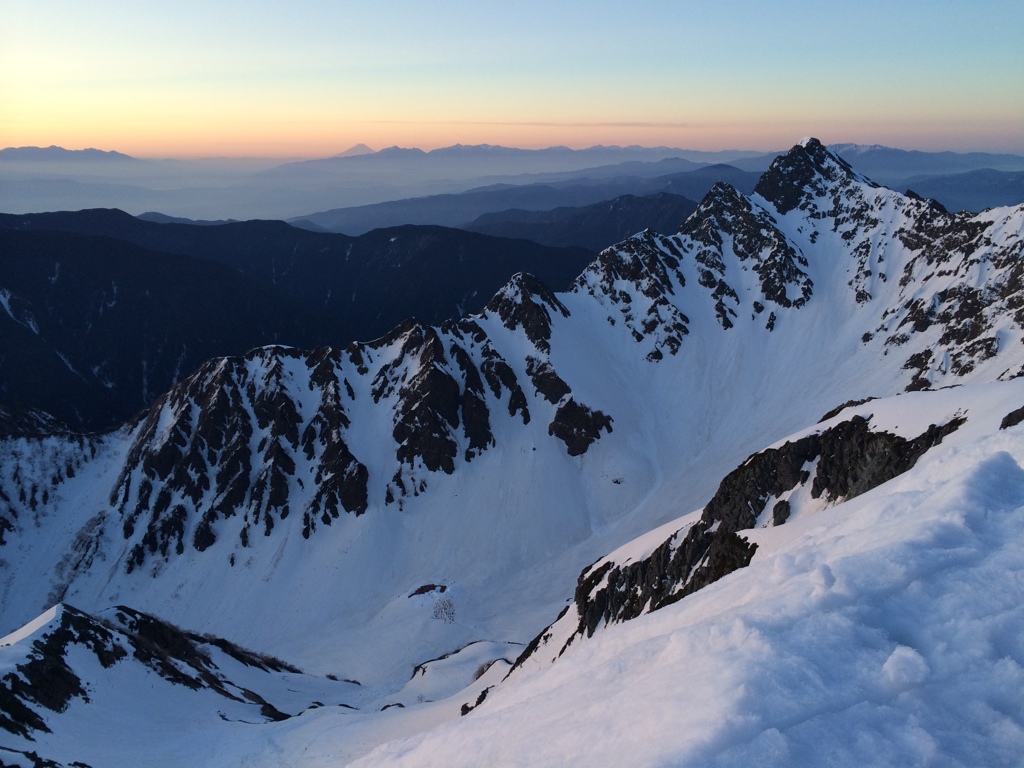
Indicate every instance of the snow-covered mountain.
{"type": "Point", "coordinates": [428, 500]}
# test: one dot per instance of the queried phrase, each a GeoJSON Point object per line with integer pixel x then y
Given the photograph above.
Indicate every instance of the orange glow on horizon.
{"type": "Point", "coordinates": [241, 139]}
{"type": "Point", "coordinates": [158, 80]}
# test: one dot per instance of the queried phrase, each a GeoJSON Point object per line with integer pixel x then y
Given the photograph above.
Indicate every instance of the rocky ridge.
{"type": "Point", "coordinates": [258, 438]}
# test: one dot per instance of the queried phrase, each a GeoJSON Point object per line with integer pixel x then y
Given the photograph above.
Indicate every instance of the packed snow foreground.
{"type": "Point", "coordinates": [748, 495]}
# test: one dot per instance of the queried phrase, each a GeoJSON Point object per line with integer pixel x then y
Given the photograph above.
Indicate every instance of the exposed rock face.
{"type": "Point", "coordinates": [494, 369]}
{"type": "Point", "coordinates": [577, 426]}
{"type": "Point", "coordinates": [44, 685]}
{"type": "Point", "coordinates": [637, 280]}
{"type": "Point", "coordinates": [1013, 418]}
{"type": "Point", "coordinates": [32, 471]}
{"type": "Point", "coordinates": [429, 398]}
{"type": "Point", "coordinates": [806, 173]}
{"type": "Point", "coordinates": [545, 380]}
{"type": "Point", "coordinates": [964, 317]}
{"type": "Point", "coordinates": [728, 220]}
{"type": "Point", "coordinates": [528, 303]}
{"type": "Point", "coordinates": [836, 464]}
{"type": "Point", "coordinates": [937, 259]}
{"type": "Point", "coordinates": [45, 680]}
{"type": "Point", "coordinates": [928, 264]}
{"type": "Point", "coordinates": [228, 441]}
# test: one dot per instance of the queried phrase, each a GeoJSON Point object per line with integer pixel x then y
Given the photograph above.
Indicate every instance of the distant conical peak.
{"type": "Point", "coordinates": [358, 149]}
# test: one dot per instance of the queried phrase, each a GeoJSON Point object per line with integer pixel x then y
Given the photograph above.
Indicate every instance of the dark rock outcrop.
{"type": "Point", "coordinates": [44, 685]}
{"type": "Point", "coordinates": [578, 426]}
{"type": "Point", "coordinates": [806, 171]}
{"type": "Point", "coordinates": [45, 680]}
{"type": "Point", "coordinates": [648, 263]}
{"type": "Point", "coordinates": [526, 302]}
{"type": "Point", "coordinates": [1012, 419]}
{"type": "Point", "coordinates": [727, 216]}
{"type": "Point", "coordinates": [839, 463]}
{"type": "Point", "coordinates": [227, 441]}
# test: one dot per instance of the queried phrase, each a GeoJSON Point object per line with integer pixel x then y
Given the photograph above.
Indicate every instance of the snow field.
{"type": "Point", "coordinates": [884, 631]}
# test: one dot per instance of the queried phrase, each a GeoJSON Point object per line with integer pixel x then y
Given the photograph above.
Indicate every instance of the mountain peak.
{"type": "Point", "coordinates": [805, 171]}
{"type": "Point", "coordinates": [525, 301]}
{"type": "Point", "coordinates": [358, 149]}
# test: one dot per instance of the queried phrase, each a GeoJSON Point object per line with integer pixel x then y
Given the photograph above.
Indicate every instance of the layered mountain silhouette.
{"type": "Point", "coordinates": [579, 190]}
{"type": "Point", "coordinates": [594, 226]}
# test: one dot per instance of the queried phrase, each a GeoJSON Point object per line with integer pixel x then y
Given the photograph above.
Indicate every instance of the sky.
{"type": "Point", "coordinates": [310, 78]}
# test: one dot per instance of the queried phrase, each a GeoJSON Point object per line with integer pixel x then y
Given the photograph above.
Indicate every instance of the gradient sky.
{"type": "Point", "coordinates": [313, 78]}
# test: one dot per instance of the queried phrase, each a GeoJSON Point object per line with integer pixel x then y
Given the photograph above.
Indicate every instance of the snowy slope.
{"type": "Point", "coordinates": [361, 512]}
{"type": "Point", "coordinates": [882, 630]}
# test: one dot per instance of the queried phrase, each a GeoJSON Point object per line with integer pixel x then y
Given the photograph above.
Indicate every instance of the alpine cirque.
{"type": "Point", "coordinates": [757, 483]}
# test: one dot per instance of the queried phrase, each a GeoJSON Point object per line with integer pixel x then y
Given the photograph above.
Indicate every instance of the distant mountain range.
{"type": "Point", "coordinates": [54, 154]}
{"type": "Point", "coordinates": [46, 179]}
{"type": "Point", "coordinates": [590, 212]}
{"type": "Point", "coordinates": [460, 210]}
{"type": "Point", "coordinates": [358, 149]}
{"type": "Point", "coordinates": [972, 190]}
{"type": "Point", "coordinates": [95, 327]}
{"type": "Point", "coordinates": [884, 164]}
{"type": "Point", "coordinates": [219, 188]}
